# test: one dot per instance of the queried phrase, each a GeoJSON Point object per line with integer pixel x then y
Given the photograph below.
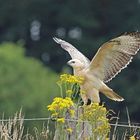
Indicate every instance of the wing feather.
{"type": "Point", "coordinates": [114, 56]}
{"type": "Point", "coordinates": [74, 53]}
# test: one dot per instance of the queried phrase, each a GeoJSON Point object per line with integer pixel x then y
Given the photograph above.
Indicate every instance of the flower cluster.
{"type": "Point", "coordinates": [60, 106]}
{"type": "Point", "coordinates": [71, 79]}
{"type": "Point", "coordinates": [69, 85]}
{"type": "Point", "coordinates": [95, 114]}
{"type": "Point", "coordinates": [61, 120]}
{"type": "Point", "coordinates": [69, 92]}
{"type": "Point", "coordinates": [63, 110]}
{"type": "Point", "coordinates": [94, 111]}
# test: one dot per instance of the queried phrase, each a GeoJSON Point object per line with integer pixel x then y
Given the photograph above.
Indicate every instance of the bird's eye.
{"type": "Point", "coordinates": [73, 62]}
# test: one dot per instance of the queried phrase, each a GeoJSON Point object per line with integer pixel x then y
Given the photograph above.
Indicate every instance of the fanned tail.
{"type": "Point", "coordinates": [111, 94]}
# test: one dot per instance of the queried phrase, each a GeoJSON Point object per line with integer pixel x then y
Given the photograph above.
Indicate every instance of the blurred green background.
{"type": "Point", "coordinates": [30, 61]}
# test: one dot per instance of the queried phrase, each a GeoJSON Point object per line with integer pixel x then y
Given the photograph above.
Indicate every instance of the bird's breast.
{"type": "Point", "coordinates": [90, 81]}
{"type": "Point", "coordinates": [79, 73]}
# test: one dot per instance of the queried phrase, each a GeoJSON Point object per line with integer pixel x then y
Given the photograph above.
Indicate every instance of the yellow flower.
{"type": "Point", "coordinates": [55, 114]}
{"type": "Point", "coordinates": [71, 79]}
{"type": "Point", "coordinates": [61, 120]}
{"type": "Point", "coordinates": [69, 130]}
{"type": "Point", "coordinates": [69, 91]}
{"type": "Point", "coordinates": [69, 101]}
{"type": "Point", "coordinates": [132, 138]}
{"type": "Point", "coordinates": [96, 115]}
{"type": "Point", "coordinates": [103, 109]}
{"type": "Point", "coordinates": [72, 112]}
{"type": "Point", "coordinates": [60, 104]}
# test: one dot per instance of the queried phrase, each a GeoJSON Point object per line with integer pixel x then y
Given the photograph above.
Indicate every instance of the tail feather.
{"type": "Point", "coordinates": [112, 95]}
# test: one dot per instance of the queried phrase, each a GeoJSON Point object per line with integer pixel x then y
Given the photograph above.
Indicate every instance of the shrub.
{"type": "Point", "coordinates": [24, 82]}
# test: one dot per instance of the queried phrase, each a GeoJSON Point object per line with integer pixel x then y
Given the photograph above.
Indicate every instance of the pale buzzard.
{"type": "Point", "coordinates": [111, 58]}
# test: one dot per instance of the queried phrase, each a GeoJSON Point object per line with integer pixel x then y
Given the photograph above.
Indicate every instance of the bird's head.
{"type": "Point", "coordinates": [75, 63]}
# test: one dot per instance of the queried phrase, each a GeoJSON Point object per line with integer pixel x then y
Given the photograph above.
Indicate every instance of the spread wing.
{"type": "Point", "coordinates": [74, 53]}
{"type": "Point", "coordinates": [114, 55]}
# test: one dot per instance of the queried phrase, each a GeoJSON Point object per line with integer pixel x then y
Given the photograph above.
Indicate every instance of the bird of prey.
{"type": "Point", "coordinates": [110, 59]}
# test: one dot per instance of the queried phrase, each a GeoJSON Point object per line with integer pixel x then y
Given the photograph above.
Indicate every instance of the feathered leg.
{"type": "Point", "coordinates": [93, 95]}
{"type": "Point", "coordinates": [84, 98]}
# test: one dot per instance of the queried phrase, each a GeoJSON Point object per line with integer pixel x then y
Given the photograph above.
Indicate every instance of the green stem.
{"type": "Point", "coordinates": [61, 90]}
{"type": "Point", "coordinates": [65, 86]}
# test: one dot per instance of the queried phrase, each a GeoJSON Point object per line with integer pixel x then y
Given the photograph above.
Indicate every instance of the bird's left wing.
{"type": "Point", "coordinates": [74, 53]}
{"type": "Point", "coordinates": [114, 56]}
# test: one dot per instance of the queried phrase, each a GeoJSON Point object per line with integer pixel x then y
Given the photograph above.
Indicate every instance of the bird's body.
{"type": "Point", "coordinates": [92, 85]}
{"type": "Point", "coordinates": [111, 58]}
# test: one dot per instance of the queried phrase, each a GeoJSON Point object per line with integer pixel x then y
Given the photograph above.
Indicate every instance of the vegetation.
{"type": "Point", "coordinates": [71, 120]}
{"type": "Point", "coordinates": [74, 121]}
{"type": "Point", "coordinates": [24, 82]}
{"type": "Point", "coordinates": [14, 129]}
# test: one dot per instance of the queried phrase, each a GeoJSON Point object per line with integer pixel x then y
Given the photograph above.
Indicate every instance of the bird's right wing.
{"type": "Point", "coordinates": [74, 53]}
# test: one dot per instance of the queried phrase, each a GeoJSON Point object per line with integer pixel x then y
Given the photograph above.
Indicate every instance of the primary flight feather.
{"type": "Point", "coordinates": [111, 58]}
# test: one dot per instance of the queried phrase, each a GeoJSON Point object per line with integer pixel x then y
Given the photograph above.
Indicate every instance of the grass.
{"type": "Point", "coordinates": [14, 129]}
{"type": "Point", "coordinates": [70, 120]}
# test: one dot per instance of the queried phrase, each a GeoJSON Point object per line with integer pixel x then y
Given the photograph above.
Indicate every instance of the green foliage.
{"type": "Point", "coordinates": [24, 82]}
